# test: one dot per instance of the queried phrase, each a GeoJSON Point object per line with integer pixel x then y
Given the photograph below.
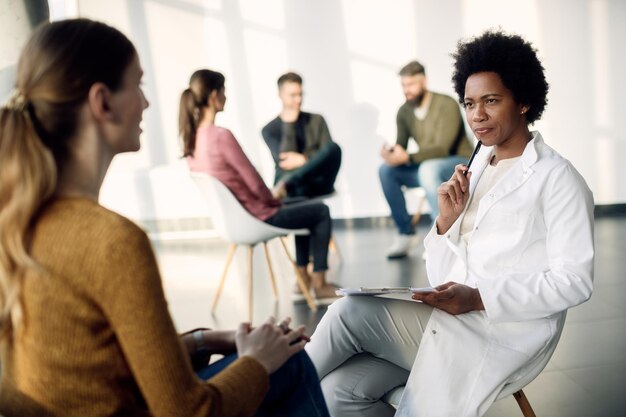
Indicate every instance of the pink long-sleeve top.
{"type": "Point", "coordinates": [219, 154]}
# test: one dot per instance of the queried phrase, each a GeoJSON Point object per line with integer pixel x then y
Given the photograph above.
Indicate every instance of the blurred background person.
{"type": "Point", "coordinates": [215, 151]}
{"type": "Point", "coordinates": [434, 122]}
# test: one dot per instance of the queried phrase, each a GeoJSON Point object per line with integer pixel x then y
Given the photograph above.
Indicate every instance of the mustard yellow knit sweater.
{"type": "Point", "coordinates": [98, 339]}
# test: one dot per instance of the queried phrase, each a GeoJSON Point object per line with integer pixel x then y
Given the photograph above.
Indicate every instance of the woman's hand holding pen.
{"type": "Point", "coordinates": [452, 197]}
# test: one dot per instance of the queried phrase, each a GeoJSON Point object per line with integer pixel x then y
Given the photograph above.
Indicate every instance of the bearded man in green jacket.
{"type": "Point", "coordinates": [434, 122]}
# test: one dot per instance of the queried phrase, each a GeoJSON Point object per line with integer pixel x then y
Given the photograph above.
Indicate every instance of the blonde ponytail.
{"type": "Point", "coordinates": [27, 180]}
{"type": "Point", "coordinates": [57, 67]}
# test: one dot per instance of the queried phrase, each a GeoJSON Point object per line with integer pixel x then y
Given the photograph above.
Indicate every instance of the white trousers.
{"type": "Point", "coordinates": [363, 348]}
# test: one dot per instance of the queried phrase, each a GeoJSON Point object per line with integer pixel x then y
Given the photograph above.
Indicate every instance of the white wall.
{"type": "Point", "coordinates": [349, 52]}
{"type": "Point", "coordinates": [15, 29]}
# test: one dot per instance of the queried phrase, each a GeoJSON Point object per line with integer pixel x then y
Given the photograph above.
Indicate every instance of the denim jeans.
{"type": "Point", "coordinates": [294, 388]}
{"type": "Point", "coordinates": [429, 174]}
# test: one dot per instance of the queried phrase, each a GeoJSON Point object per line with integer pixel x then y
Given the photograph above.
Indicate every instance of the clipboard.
{"type": "Point", "coordinates": [360, 291]}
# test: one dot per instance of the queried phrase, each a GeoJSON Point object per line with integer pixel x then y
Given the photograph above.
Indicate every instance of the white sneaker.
{"type": "Point", "coordinates": [400, 247]}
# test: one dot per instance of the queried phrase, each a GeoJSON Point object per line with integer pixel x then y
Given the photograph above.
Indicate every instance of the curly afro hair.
{"type": "Point", "coordinates": [511, 57]}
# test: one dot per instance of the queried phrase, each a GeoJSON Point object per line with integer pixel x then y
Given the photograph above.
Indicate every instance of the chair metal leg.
{"type": "Point", "coordinates": [269, 266]}
{"type": "Point", "coordinates": [250, 284]}
{"type": "Point", "coordinates": [524, 405]}
{"type": "Point", "coordinates": [299, 279]}
{"type": "Point", "coordinates": [418, 214]}
{"type": "Point", "coordinates": [229, 257]}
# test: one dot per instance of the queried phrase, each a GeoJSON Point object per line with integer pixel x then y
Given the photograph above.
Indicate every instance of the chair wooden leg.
{"type": "Point", "coordinates": [524, 405]}
{"type": "Point", "coordinates": [229, 257]}
{"type": "Point", "coordinates": [269, 266]}
{"type": "Point", "coordinates": [418, 214]}
{"type": "Point", "coordinates": [250, 284]}
{"type": "Point", "coordinates": [332, 245]}
{"type": "Point", "coordinates": [299, 279]}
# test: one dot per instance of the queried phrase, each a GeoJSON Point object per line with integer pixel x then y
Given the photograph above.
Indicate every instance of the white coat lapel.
{"type": "Point", "coordinates": [453, 235]}
{"type": "Point", "coordinates": [478, 167]}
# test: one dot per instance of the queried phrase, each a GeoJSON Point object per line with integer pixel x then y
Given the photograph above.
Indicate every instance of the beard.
{"type": "Point", "coordinates": [417, 101]}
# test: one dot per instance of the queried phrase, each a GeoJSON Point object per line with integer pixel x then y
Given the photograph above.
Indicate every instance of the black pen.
{"type": "Point", "coordinates": [476, 149]}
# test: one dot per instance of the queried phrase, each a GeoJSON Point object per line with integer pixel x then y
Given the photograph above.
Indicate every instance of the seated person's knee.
{"type": "Point", "coordinates": [384, 171]}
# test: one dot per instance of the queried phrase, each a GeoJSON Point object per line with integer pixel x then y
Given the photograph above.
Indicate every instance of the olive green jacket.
{"type": "Point", "coordinates": [440, 134]}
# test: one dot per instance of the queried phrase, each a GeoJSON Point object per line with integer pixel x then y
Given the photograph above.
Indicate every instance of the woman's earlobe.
{"type": "Point", "coordinates": [211, 98]}
{"type": "Point", "coordinates": [524, 109]}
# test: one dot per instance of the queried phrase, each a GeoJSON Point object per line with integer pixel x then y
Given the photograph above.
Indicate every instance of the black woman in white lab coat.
{"type": "Point", "coordinates": [510, 252]}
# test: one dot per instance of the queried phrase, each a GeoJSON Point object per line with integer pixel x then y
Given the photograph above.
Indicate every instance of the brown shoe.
{"type": "Point", "coordinates": [326, 291]}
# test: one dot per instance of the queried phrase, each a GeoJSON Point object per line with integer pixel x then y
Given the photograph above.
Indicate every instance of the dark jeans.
{"type": "Point", "coordinates": [315, 217]}
{"type": "Point", "coordinates": [317, 176]}
{"type": "Point", "coordinates": [294, 388]}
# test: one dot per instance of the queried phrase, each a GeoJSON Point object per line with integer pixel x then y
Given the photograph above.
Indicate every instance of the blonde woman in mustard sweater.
{"type": "Point", "coordinates": [84, 325]}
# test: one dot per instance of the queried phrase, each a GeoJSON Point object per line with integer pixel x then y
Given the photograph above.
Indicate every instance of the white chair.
{"type": "Point", "coordinates": [514, 388]}
{"type": "Point", "coordinates": [415, 193]}
{"type": "Point", "coordinates": [236, 225]}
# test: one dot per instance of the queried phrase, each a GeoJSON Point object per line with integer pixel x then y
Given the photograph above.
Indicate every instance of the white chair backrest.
{"type": "Point", "coordinates": [233, 222]}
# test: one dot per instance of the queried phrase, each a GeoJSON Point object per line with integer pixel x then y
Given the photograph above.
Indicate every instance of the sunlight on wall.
{"type": "Point", "coordinates": [270, 14]}
{"type": "Point", "coordinates": [14, 32]}
{"type": "Point", "coordinates": [374, 60]}
{"type": "Point", "coordinates": [63, 9]}
{"type": "Point", "coordinates": [602, 110]}
{"type": "Point", "coordinates": [365, 22]}
{"type": "Point", "coordinates": [267, 65]}
{"type": "Point", "coordinates": [375, 84]}
{"type": "Point", "coordinates": [600, 61]}
{"type": "Point", "coordinates": [513, 16]}
{"type": "Point", "coordinates": [263, 94]}
{"type": "Point", "coordinates": [605, 155]}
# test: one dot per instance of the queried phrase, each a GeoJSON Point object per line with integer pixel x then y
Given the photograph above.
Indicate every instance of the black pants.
{"type": "Point", "coordinates": [317, 176]}
{"type": "Point", "coordinates": [315, 217]}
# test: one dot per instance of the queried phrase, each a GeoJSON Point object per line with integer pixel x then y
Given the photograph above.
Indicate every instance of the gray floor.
{"type": "Point", "coordinates": [585, 378]}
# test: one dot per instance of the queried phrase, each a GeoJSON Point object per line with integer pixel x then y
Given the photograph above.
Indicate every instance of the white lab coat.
{"type": "Point", "coordinates": [531, 257]}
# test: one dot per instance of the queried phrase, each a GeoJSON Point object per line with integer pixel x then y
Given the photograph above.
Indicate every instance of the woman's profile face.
{"type": "Point", "coordinates": [220, 99]}
{"type": "Point", "coordinates": [491, 110]}
{"type": "Point", "coordinates": [127, 105]}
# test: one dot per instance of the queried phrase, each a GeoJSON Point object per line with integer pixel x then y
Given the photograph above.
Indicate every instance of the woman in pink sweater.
{"type": "Point", "coordinates": [215, 151]}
